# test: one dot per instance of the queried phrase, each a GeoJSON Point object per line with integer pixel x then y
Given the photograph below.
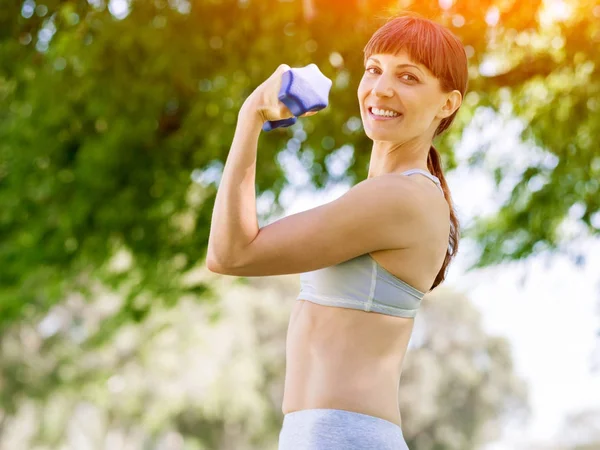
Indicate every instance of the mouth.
{"type": "Point", "coordinates": [381, 118]}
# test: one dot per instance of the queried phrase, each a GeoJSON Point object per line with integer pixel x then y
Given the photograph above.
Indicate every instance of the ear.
{"type": "Point", "coordinates": [453, 102]}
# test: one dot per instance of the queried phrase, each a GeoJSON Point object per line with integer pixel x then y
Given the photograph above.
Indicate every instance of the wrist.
{"type": "Point", "coordinates": [250, 108]}
{"type": "Point", "coordinates": [250, 116]}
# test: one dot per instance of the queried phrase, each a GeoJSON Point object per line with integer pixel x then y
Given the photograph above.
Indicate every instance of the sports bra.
{"type": "Point", "coordinates": [362, 283]}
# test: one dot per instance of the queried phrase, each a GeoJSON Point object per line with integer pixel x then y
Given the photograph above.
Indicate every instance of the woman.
{"type": "Point", "coordinates": [366, 258]}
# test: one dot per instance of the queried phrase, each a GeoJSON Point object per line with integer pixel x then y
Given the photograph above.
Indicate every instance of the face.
{"type": "Point", "coordinates": [397, 83]}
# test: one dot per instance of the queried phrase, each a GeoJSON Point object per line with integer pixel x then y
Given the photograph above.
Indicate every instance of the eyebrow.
{"type": "Point", "coordinates": [398, 65]}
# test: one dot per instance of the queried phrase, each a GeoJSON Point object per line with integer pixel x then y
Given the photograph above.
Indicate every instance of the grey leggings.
{"type": "Point", "coordinates": [336, 429]}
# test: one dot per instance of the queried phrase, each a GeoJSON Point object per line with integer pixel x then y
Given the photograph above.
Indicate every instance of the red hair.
{"type": "Point", "coordinates": [434, 46]}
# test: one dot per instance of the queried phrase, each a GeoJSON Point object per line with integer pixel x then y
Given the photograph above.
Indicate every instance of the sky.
{"type": "Point", "coordinates": [546, 306]}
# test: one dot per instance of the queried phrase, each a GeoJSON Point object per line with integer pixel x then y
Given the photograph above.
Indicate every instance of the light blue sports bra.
{"type": "Point", "coordinates": [362, 283]}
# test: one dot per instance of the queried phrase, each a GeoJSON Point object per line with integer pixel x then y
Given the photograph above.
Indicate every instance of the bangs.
{"type": "Point", "coordinates": [426, 43]}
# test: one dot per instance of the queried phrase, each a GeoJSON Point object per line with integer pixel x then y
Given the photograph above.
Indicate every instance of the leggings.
{"type": "Point", "coordinates": [336, 429]}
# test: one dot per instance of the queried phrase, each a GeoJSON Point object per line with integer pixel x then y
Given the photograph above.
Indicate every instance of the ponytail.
{"type": "Point", "coordinates": [434, 165]}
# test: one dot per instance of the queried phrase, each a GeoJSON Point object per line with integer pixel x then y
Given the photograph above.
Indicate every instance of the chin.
{"type": "Point", "coordinates": [384, 135]}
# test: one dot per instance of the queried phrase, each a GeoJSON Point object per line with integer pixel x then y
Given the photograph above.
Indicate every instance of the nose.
{"type": "Point", "coordinates": [383, 87]}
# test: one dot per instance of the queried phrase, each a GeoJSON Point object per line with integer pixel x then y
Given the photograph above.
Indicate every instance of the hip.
{"type": "Point", "coordinates": [328, 428]}
{"type": "Point", "coordinates": [377, 402]}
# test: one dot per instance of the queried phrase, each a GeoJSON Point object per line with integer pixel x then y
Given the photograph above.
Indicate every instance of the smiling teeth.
{"type": "Point", "coordinates": [383, 112]}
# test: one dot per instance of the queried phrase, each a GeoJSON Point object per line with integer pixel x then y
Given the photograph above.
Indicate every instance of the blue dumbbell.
{"type": "Point", "coordinates": [302, 90]}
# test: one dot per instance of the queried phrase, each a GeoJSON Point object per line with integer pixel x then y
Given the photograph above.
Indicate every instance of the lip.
{"type": "Point", "coordinates": [381, 118]}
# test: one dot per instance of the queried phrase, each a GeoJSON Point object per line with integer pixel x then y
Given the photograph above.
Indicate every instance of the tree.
{"type": "Point", "coordinates": [548, 79]}
{"type": "Point", "coordinates": [114, 126]}
{"type": "Point", "coordinates": [211, 375]}
{"type": "Point", "coordinates": [459, 384]}
{"type": "Point", "coordinates": [110, 123]}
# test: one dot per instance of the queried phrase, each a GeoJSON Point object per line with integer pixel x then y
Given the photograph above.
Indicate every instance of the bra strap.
{"type": "Point", "coordinates": [435, 179]}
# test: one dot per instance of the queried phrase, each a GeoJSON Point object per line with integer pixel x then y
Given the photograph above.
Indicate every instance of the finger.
{"type": "Point", "coordinates": [283, 68]}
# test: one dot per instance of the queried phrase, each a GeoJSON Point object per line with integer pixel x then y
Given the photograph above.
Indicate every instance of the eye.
{"type": "Point", "coordinates": [405, 76]}
{"type": "Point", "coordinates": [409, 77]}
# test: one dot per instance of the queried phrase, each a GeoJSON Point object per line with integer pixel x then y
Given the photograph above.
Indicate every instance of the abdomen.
{"type": "Point", "coordinates": [344, 359]}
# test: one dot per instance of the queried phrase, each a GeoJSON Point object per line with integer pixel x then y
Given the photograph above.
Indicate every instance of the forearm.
{"type": "Point", "coordinates": [234, 223]}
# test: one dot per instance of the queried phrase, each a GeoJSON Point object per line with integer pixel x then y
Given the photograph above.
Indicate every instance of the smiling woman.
{"type": "Point", "coordinates": [367, 258]}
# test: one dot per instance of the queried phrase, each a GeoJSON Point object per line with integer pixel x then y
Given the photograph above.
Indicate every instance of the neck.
{"type": "Point", "coordinates": [392, 157]}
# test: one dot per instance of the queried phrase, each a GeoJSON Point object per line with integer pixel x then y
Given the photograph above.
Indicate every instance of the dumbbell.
{"type": "Point", "coordinates": [303, 90]}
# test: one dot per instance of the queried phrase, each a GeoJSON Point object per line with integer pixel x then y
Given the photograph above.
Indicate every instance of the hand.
{"type": "Point", "coordinates": [264, 99]}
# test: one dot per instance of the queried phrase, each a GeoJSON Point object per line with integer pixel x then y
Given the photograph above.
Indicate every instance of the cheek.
{"type": "Point", "coordinates": [422, 107]}
{"type": "Point", "coordinates": [361, 90]}
{"type": "Point", "coordinates": [361, 93]}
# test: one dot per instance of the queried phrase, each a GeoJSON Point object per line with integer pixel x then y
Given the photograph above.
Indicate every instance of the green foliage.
{"type": "Point", "coordinates": [106, 122]}
{"type": "Point", "coordinates": [216, 385]}
{"type": "Point", "coordinates": [551, 82]}
{"type": "Point", "coordinates": [110, 128]}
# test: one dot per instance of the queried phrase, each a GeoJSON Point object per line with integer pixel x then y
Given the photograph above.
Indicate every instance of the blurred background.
{"type": "Point", "coordinates": [116, 118]}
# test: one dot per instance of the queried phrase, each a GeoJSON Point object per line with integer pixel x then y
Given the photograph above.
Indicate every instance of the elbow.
{"type": "Point", "coordinates": [212, 262]}
{"type": "Point", "coordinates": [224, 264]}
{"type": "Point", "coordinates": [221, 266]}
{"type": "Point", "coordinates": [215, 266]}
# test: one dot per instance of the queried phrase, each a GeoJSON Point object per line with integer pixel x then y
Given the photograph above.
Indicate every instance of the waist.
{"type": "Point", "coordinates": [377, 400]}
{"type": "Point", "coordinates": [344, 359]}
{"type": "Point", "coordinates": [376, 396]}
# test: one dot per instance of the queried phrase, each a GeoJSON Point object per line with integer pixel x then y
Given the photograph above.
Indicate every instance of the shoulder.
{"type": "Point", "coordinates": [415, 195]}
{"type": "Point", "coordinates": [390, 199]}
{"type": "Point", "coordinates": [395, 188]}
{"type": "Point", "coordinates": [422, 205]}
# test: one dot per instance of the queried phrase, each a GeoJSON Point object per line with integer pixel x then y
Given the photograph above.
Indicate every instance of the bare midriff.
{"type": "Point", "coordinates": [345, 359]}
